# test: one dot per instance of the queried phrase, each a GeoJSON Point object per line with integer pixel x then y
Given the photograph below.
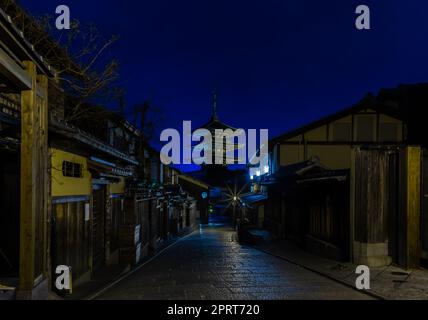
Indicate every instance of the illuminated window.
{"type": "Point", "coordinates": [71, 169]}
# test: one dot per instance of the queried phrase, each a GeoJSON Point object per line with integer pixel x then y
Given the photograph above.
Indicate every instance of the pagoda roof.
{"type": "Point", "coordinates": [215, 122]}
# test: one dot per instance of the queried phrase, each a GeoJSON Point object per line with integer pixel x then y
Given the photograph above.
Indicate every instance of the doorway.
{"type": "Point", "coordinates": [9, 213]}
{"type": "Point", "coordinates": [98, 226]}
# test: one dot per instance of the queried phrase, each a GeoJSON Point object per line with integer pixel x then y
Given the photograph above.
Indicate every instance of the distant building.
{"type": "Point", "coordinates": [219, 147]}
{"type": "Point", "coordinates": [218, 177]}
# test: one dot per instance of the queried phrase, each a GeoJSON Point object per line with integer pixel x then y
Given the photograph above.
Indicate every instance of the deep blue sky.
{"type": "Point", "coordinates": [277, 64]}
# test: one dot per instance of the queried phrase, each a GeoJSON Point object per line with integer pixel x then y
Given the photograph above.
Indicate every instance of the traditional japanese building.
{"type": "Point", "coordinates": [347, 186]}
{"type": "Point", "coordinates": [222, 137]}
{"type": "Point", "coordinates": [216, 172]}
{"type": "Point", "coordinates": [89, 176]}
{"type": "Point", "coordinates": [25, 79]}
{"type": "Point", "coordinates": [214, 126]}
{"type": "Point", "coordinates": [216, 175]}
{"type": "Point", "coordinates": [86, 193]}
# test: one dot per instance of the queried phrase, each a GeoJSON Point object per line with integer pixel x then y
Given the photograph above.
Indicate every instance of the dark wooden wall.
{"type": "Point", "coordinates": [372, 172]}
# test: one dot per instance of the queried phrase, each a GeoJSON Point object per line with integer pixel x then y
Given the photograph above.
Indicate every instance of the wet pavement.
{"type": "Point", "coordinates": [211, 264]}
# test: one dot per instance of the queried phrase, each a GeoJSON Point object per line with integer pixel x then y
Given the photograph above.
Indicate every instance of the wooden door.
{"type": "Point", "coordinates": [116, 213]}
{"type": "Point", "coordinates": [98, 228]}
{"type": "Point", "coordinates": [70, 237]}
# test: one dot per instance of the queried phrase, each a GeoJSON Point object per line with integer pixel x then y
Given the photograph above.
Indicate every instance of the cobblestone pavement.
{"type": "Point", "coordinates": [211, 264]}
{"type": "Point", "coordinates": [389, 282]}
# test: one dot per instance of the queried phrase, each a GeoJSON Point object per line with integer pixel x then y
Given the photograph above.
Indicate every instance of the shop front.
{"type": "Point", "coordinates": [71, 214]}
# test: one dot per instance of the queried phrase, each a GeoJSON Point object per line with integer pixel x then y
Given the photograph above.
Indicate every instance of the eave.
{"type": "Point", "coordinates": [14, 39]}
{"type": "Point", "coordinates": [76, 134]}
{"type": "Point", "coordinates": [217, 124]}
{"type": "Point", "coordinates": [369, 102]}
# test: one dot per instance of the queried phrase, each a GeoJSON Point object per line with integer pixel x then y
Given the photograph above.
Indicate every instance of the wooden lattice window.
{"type": "Point", "coordinates": [71, 169]}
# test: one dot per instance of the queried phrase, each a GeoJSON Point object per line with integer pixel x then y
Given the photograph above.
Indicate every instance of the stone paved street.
{"type": "Point", "coordinates": [211, 264]}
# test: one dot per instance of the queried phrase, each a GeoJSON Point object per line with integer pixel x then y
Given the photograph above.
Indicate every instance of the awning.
{"type": "Point", "coordinates": [108, 172]}
{"type": "Point", "coordinates": [251, 198]}
{"type": "Point", "coordinates": [304, 172]}
{"type": "Point", "coordinates": [331, 178]}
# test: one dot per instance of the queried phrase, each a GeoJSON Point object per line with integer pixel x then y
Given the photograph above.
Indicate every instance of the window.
{"type": "Point", "coordinates": [388, 132]}
{"type": "Point", "coordinates": [342, 131]}
{"type": "Point", "coordinates": [71, 169]}
{"type": "Point", "coordinates": [365, 131]}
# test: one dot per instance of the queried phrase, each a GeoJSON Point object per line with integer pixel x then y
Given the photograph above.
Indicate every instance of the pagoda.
{"type": "Point", "coordinates": [220, 146]}
{"type": "Point", "coordinates": [217, 174]}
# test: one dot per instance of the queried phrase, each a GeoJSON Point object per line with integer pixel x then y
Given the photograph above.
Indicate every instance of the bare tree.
{"type": "Point", "coordinates": [78, 55]}
{"type": "Point", "coordinates": [143, 121]}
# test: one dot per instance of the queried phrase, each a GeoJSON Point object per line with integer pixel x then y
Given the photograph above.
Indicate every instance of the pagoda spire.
{"type": "Point", "coordinates": [214, 106]}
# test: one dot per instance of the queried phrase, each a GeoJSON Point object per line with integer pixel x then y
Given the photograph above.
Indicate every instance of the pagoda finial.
{"type": "Point", "coordinates": [214, 114]}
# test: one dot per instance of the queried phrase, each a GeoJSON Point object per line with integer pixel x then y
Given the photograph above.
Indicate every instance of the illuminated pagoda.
{"type": "Point", "coordinates": [218, 174]}
{"type": "Point", "coordinates": [220, 146]}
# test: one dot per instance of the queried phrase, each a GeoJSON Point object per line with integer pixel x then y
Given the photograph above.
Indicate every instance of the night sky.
{"type": "Point", "coordinates": [276, 64]}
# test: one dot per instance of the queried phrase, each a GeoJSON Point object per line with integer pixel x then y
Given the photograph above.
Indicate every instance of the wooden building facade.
{"type": "Point", "coordinates": [79, 194]}
{"type": "Point", "coordinates": [348, 187]}
{"type": "Point", "coordinates": [24, 81]}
